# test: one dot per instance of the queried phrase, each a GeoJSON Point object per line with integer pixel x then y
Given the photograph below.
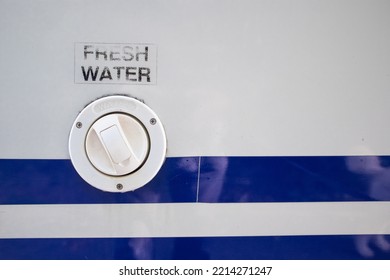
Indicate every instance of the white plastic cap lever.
{"type": "Point", "coordinates": [117, 144]}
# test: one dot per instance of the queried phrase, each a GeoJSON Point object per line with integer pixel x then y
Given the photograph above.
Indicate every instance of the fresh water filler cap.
{"type": "Point", "coordinates": [117, 144]}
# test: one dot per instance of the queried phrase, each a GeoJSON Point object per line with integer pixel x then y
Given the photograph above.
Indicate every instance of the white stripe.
{"type": "Point", "coordinates": [193, 219]}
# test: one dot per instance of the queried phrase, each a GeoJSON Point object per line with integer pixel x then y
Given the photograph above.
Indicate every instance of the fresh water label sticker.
{"type": "Point", "coordinates": [122, 63]}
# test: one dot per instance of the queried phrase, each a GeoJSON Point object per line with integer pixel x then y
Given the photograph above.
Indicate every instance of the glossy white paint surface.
{"type": "Point", "coordinates": [234, 77]}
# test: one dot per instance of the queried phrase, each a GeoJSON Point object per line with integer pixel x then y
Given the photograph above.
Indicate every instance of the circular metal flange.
{"type": "Point", "coordinates": [114, 145]}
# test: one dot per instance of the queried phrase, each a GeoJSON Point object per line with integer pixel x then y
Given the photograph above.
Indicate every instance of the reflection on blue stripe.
{"type": "Point", "coordinates": [294, 179]}
{"type": "Point", "coordinates": [221, 179]}
{"type": "Point", "coordinates": [56, 182]}
{"type": "Point", "coordinates": [217, 248]}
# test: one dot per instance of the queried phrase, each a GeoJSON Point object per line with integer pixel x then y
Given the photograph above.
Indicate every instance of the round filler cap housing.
{"type": "Point", "coordinates": [117, 144]}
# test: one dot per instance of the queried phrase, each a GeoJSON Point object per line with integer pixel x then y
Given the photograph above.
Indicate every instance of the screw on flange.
{"type": "Point", "coordinates": [79, 124]}
{"type": "Point", "coordinates": [153, 121]}
{"type": "Point", "coordinates": [119, 187]}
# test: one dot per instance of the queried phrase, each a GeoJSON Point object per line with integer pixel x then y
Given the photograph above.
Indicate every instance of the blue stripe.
{"type": "Point", "coordinates": [56, 182]}
{"type": "Point", "coordinates": [217, 248]}
{"type": "Point", "coordinates": [295, 179]}
{"type": "Point", "coordinates": [221, 179]}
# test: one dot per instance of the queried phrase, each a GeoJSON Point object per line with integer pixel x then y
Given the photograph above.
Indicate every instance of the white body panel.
{"type": "Point", "coordinates": [234, 77]}
{"type": "Point", "coordinates": [251, 79]}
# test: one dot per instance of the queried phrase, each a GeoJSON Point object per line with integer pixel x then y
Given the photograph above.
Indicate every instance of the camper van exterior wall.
{"type": "Point", "coordinates": [275, 115]}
